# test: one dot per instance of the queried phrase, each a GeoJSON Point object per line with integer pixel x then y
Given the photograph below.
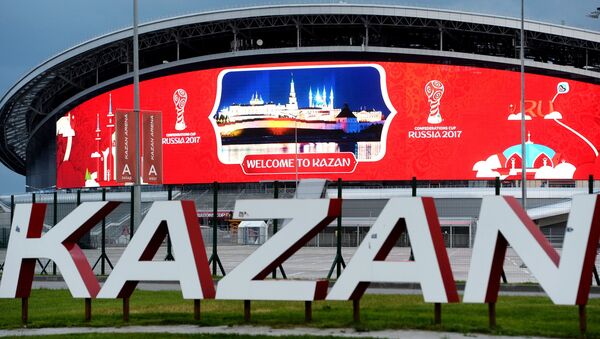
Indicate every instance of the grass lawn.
{"type": "Point", "coordinates": [533, 316]}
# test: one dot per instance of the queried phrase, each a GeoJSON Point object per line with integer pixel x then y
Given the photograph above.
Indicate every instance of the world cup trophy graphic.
{"type": "Point", "coordinates": [180, 99]}
{"type": "Point", "coordinates": [434, 90]}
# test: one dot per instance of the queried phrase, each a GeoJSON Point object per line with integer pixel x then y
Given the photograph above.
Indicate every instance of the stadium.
{"type": "Point", "coordinates": [372, 95]}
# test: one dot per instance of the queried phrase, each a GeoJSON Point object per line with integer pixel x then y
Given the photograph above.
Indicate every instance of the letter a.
{"type": "Point", "coordinates": [59, 244]}
{"type": "Point", "coordinates": [126, 170]}
{"type": "Point", "coordinates": [566, 279]}
{"type": "Point", "coordinates": [431, 267]}
{"type": "Point", "coordinates": [152, 170]}
{"type": "Point", "coordinates": [190, 266]}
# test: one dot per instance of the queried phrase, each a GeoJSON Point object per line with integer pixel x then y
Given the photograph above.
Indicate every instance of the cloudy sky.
{"type": "Point", "coordinates": [32, 31]}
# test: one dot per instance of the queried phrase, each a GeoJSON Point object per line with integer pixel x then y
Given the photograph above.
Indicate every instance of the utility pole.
{"type": "Point", "coordinates": [137, 189]}
{"type": "Point", "coordinates": [523, 148]}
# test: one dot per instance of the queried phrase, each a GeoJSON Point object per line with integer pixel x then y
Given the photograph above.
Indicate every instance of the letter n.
{"type": "Point", "coordinates": [566, 278]}
{"type": "Point", "coordinates": [190, 267]}
{"type": "Point", "coordinates": [431, 267]}
{"type": "Point", "coordinates": [26, 244]}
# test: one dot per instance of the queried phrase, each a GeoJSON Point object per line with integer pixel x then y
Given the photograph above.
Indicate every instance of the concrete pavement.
{"type": "Point", "coordinates": [250, 330]}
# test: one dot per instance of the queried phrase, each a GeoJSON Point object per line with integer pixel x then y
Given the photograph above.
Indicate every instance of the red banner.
{"type": "Point", "coordinates": [125, 149]}
{"type": "Point", "coordinates": [152, 167]}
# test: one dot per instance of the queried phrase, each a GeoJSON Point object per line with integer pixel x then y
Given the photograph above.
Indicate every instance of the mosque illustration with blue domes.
{"type": "Point", "coordinates": [542, 162]}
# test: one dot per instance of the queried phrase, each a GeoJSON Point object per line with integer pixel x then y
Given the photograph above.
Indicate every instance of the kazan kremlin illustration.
{"type": "Point", "coordinates": [542, 162]}
{"type": "Point", "coordinates": [321, 127]}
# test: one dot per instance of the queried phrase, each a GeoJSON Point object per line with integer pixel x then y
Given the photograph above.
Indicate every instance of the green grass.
{"type": "Point", "coordinates": [529, 316]}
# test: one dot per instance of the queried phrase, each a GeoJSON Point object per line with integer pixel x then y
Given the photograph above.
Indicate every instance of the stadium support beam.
{"type": "Point", "coordinates": [298, 34]}
{"type": "Point", "coordinates": [70, 82]}
{"type": "Point", "coordinates": [366, 41]}
{"type": "Point", "coordinates": [37, 111]}
{"type": "Point", "coordinates": [234, 30]}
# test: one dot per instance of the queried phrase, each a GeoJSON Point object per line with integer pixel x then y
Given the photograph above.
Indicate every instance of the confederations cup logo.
{"type": "Point", "coordinates": [434, 90]}
{"type": "Point", "coordinates": [180, 99]}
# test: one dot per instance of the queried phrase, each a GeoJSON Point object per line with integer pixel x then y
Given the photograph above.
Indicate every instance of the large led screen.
{"type": "Point", "coordinates": [349, 120]}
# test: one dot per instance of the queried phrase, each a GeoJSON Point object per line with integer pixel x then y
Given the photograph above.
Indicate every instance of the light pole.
{"type": "Point", "coordinates": [296, 143]}
{"type": "Point", "coordinates": [137, 189]}
{"type": "Point", "coordinates": [523, 148]}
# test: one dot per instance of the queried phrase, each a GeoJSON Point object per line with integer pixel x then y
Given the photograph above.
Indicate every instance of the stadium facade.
{"type": "Point", "coordinates": [463, 67]}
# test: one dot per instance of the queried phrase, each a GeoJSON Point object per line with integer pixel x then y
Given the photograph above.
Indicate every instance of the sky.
{"type": "Point", "coordinates": [32, 31]}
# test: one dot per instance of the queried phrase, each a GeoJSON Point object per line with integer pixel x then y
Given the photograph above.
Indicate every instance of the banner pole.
{"type": "Point", "coordinates": [497, 192]}
{"type": "Point", "coordinates": [591, 191]}
{"type": "Point", "coordinates": [169, 256]}
{"type": "Point", "coordinates": [338, 262]}
{"type": "Point", "coordinates": [275, 229]}
{"type": "Point", "coordinates": [54, 221]}
{"type": "Point", "coordinates": [214, 258]}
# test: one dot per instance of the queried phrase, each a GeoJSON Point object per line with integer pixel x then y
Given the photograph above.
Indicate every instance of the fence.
{"type": "Point", "coordinates": [457, 205]}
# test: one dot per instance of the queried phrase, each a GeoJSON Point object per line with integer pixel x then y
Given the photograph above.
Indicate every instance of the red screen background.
{"type": "Point", "coordinates": [476, 102]}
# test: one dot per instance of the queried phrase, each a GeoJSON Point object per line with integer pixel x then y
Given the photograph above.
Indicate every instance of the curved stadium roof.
{"type": "Point", "coordinates": [315, 30]}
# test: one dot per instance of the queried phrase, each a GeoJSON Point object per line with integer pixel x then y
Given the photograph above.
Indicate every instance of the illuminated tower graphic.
{"type": "Point", "coordinates": [331, 98]}
{"type": "Point", "coordinates": [319, 100]}
{"type": "Point", "coordinates": [293, 101]}
{"type": "Point", "coordinates": [110, 159]}
{"type": "Point", "coordinates": [97, 154]}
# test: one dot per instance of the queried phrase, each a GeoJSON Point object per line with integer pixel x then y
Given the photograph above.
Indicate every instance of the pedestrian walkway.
{"type": "Point", "coordinates": [247, 330]}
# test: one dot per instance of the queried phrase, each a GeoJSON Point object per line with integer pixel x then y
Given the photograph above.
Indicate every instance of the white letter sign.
{"type": "Point", "coordinates": [26, 244]}
{"type": "Point", "coordinates": [566, 279]}
{"type": "Point", "coordinates": [431, 267]}
{"type": "Point", "coordinates": [190, 266]}
{"type": "Point", "coordinates": [309, 217]}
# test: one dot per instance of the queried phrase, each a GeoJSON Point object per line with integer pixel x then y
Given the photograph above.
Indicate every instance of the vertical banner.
{"type": "Point", "coordinates": [125, 147]}
{"type": "Point", "coordinates": [152, 168]}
